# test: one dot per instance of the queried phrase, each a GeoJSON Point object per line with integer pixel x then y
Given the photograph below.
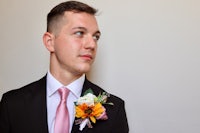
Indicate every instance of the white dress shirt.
{"type": "Point", "coordinates": [53, 98]}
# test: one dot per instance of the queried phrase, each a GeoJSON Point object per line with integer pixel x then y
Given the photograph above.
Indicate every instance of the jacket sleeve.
{"type": "Point", "coordinates": [4, 120]}
{"type": "Point", "coordinates": [121, 123]}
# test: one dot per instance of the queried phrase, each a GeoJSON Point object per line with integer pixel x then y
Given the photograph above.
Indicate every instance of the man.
{"type": "Point", "coordinates": [71, 38]}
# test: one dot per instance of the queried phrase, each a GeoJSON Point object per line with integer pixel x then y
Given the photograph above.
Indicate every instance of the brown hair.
{"type": "Point", "coordinates": [58, 11]}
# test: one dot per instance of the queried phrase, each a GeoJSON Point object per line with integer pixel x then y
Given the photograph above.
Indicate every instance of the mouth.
{"type": "Point", "coordinates": [87, 57]}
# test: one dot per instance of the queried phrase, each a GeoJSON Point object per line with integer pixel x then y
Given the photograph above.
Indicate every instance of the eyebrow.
{"type": "Point", "coordinates": [83, 28]}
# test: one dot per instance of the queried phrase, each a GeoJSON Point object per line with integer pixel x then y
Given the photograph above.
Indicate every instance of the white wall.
{"type": "Point", "coordinates": [148, 55]}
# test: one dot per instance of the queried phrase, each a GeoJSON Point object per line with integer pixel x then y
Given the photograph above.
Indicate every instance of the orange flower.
{"type": "Point", "coordinates": [84, 111]}
{"type": "Point", "coordinates": [89, 108]}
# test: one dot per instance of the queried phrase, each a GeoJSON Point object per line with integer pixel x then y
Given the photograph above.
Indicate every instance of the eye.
{"type": "Point", "coordinates": [96, 37]}
{"type": "Point", "coordinates": [79, 33]}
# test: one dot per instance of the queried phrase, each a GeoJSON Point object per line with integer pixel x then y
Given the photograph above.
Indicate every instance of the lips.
{"type": "Point", "coordinates": [87, 56]}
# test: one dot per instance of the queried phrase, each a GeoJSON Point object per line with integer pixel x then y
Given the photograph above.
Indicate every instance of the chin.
{"type": "Point", "coordinates": [84, 69]}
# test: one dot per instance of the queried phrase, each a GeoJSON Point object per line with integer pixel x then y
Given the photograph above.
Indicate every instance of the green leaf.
{"type": "Point", "coordinates": [88, 91]}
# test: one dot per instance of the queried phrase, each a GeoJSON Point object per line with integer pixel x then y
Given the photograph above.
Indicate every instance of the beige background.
{"type": "Point", "coordinates": [149, 55]}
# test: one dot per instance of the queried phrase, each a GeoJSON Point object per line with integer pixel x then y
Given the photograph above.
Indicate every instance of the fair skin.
{"type": "Point", "coordinates": [73, 48]}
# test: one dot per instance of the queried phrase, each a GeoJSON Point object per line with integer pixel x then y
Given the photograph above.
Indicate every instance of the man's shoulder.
{"type": "Point", "coordinates": [97, 90]}
{"type": "Point", "coordinates": [27, 89]}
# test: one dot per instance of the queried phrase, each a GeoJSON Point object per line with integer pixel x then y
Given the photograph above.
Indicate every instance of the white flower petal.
{"type": "Point", "coordinates": [87, 99]}
{"type": "Point", "coordinates": [83, 124]}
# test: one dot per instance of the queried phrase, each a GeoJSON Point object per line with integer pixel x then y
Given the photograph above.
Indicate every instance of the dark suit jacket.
{"type": "Point", "coordinates": [24, 111]}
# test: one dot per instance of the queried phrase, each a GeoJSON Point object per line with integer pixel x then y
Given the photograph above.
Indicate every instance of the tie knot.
{"type": "Point", "coordinates": [64, 92]}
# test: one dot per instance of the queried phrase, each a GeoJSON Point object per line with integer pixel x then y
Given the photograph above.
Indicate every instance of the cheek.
{"type": "Point", "coordinates": [68, 47]}
{"type": "Point", "coordinates": [61, 44]}
{"type": "Point", "coordinates": [69, 52]}
{"type": "Point", "coordinates": [61, 50]}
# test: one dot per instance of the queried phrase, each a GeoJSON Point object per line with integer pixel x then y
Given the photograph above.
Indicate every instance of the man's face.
{"type": "Point", "coordinates": [75, 45]}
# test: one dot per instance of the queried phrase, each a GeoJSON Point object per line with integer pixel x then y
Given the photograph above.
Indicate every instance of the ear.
{"type": "Point", "coordinates": [48, 40]}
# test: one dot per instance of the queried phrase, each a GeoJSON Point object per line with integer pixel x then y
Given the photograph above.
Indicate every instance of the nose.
{"type": "Point", "coordinates": [91, 43]}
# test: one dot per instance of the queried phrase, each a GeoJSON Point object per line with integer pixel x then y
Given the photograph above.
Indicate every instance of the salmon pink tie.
{"type": "Point", "coordinates": [62, 114]}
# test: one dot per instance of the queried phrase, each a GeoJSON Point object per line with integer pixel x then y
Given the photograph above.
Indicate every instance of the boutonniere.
{"type": "Point", "coordinates": [89, 108]}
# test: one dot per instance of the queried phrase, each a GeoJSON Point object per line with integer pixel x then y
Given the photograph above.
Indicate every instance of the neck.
{"type": "Point", "coordinates": [64, 77]}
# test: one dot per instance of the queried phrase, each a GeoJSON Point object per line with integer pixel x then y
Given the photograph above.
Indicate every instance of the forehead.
{"type": "Point", "coordinates": [80, 19]}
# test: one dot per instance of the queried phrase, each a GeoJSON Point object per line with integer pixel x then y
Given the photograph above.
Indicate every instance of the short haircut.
{"type": "Point", "coordinates": [57, 13]}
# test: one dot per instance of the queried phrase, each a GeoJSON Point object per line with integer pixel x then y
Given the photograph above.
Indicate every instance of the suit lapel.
{"type": "Point", "coordinates": [37, 111]}
{"type": "Point", "coordinates": [75, 128]}
{"type": "Point", "coordinates": [97, 128]}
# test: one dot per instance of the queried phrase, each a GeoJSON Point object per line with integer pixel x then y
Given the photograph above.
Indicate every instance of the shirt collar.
{"type": "Point", "coordinates": [75, 87]}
